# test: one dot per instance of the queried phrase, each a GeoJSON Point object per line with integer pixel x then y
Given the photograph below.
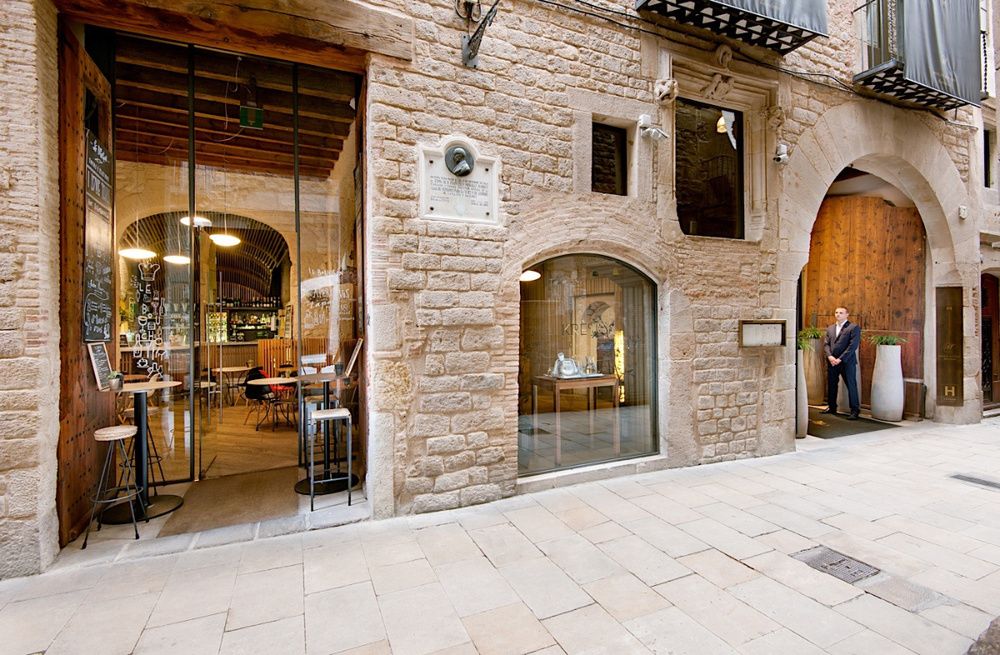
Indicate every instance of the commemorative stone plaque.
{"type": "Point", "coordinates": [457, 183]}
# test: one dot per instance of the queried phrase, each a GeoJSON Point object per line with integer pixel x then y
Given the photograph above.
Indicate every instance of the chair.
{"type": "Point", "coordinates": [335, 414]}
{"type": "Point", "coordinates": [127, 491]}
{"type": "Point", "coordinates": [260, 396]}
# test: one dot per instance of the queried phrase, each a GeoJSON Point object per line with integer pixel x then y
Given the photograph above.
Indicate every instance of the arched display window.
{"type": "Point", "coordinates": [587, 378]}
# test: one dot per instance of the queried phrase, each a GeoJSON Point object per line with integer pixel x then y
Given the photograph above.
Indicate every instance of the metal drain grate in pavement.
{"type": "Point", "coordinates": [836, 564]}
{"type": "Point", "coordinates": [985, 483]}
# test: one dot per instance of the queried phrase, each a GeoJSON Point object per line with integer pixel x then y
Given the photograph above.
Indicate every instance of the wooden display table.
{"type": "Point", "coordinates": [589, 382]}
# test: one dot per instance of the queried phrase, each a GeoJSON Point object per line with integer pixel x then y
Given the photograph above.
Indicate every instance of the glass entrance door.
{"type": "Point", "coordinates": [239, 189]}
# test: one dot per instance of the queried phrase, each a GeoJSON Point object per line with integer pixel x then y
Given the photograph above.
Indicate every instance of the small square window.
{"type": "Point", "coordinates": [709, 169]}
{"type": "Point", "coordinates": [609, 160]}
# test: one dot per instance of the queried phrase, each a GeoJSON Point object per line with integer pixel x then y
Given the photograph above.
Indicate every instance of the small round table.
{"type": "Point", "coordinates": [227, 373]}
{"type": "Point", "coordinates": [267, 382]}
{"type": "Point", "coordinates": [333, 481]}
{"type": "Point", "coordinates": [160, 504]}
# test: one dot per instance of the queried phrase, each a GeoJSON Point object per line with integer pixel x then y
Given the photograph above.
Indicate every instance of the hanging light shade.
{"type": "Point", "coordinates": [177, 259]}
{"type": "Point", "coordinates": [199, 221]}
{"type": "Point", "coordinates": [136, 253]}
{"type": "Point", "coordinates": [530, 276]}
{"type": "Point", "coordinates": [224, 239]}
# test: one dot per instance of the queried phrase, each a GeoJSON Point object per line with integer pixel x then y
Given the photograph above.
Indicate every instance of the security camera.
{"type": "Point", "coordinates": [646, 129]}
{"type": "Point", "coordinates": [781, 154]}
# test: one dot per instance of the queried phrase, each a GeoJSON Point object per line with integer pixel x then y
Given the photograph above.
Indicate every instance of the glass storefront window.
{"type": "Point", "coordinates": [587, 376]}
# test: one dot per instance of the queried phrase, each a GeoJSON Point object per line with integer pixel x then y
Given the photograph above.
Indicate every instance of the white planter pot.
{"type": "Point", "coordinates": [887, 384]}
{"type": "Point", "coordinates": [815, 372]}
{"type": "Point", "coordinates": [801, 397]}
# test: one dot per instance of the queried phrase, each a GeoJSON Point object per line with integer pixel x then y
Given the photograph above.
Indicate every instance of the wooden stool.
{"type": "Point", "coordinates": [335, 414]}
{"type": "Point", "coordinates": [127, 491]}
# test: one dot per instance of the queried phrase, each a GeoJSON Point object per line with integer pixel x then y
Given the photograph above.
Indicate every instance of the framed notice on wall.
{"type": "Point", "coordinates": [758, 334]}
{"type": "Point", "coordinates": [97, 308]}
{"type": "Point", "coordinates": [101, 364]}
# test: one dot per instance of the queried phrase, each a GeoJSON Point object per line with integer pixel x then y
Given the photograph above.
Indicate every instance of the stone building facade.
{"type": "Point", "coordinates": [443, 297]}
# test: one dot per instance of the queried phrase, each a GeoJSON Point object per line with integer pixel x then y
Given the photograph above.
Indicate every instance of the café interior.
{"type": "Point", "coordinates": [237, 201]}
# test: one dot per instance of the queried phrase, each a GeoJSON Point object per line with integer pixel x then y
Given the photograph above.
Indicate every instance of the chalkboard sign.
{"type": "Point", "coordinates": [97, 310]}
{"type": "Point", "coordinates": [101, 364]}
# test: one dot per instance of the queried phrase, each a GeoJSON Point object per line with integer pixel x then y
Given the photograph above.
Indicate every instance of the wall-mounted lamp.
{"type": "Point", "coordinates": [530, 276]}
{"type": "Point", "coordinates": [781, 154]}
{"type": "Point", "coordinates": [647, 130]}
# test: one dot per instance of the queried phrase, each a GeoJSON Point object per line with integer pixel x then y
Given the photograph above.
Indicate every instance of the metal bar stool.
{"type": "Point", "coordinates": [128, 490]}
{"type": "Point", "coordinates": [335, 414]}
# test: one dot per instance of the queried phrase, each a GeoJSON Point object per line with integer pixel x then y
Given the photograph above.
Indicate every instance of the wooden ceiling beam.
{"type": "Point", "coordinates": [219, 127]}
{"type": "Point", "coordinates": [216, 110]}
{"type": "Point", "coordinates": [246, 139]}
{"type": "Point", "coordinates": [331, 85]}
{"type": "Point", "coordinates": [144, 156]}
{"type": "Point", "coordinates": [218, 91]}
{"type": "Point", "coordinates": [327, 33]}
{"type": "Point", "coordinates": [126, 141]}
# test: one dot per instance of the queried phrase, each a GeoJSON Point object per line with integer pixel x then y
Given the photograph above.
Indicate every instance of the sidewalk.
{"type": "Point", "coordinates": [696, 561]}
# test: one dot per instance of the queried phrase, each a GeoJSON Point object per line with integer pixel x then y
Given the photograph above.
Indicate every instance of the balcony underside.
{"type": "Point", "coordinates": [890, 79]}
{"type": "Point", "coordinates": [729, 21]}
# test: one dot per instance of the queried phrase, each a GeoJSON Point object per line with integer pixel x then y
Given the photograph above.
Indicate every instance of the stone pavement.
{"type": "Point", "coordinates": [694, 561]}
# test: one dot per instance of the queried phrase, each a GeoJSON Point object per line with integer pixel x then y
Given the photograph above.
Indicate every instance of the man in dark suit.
{"type": "Point", "coordinates": [840, 345]}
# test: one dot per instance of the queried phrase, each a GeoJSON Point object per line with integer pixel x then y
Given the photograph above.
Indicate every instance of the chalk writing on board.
{"type": "Point", "coordinates": [97, 312]}
{"type": "Point", "coordinates": [100, 363]}
{"type": "Point", "coordinates": [148, 353]}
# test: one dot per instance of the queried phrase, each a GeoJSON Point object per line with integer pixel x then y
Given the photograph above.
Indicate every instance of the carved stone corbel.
{"type": "Point", "coordinates": [723, 56]}
{"type": "Point", "coordinates": [719, 87]}
{"type": "Point", "coordinates": [775, 117]}
{"type": "Point", "coordinates": [666, 91]}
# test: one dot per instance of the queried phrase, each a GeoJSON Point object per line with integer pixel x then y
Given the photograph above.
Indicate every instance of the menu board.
{"type": "Point", "coordinates": [101, 364]}
{"type": "Point", "coordinates": [97, 310]}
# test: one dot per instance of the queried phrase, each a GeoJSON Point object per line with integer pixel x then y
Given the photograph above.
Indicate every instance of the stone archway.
{"type": "Point", "coordinates": [902, 150]}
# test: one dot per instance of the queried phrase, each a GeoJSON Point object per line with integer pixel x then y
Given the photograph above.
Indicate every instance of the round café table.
{"type": "Point", "coordinates": [148, 507]}
{"type": "Point", "coordinates": [268, 382]}
{"type": "Point", "coordinates": [227, 373]}
{"type": "Point", "coordinates": [333, 481]}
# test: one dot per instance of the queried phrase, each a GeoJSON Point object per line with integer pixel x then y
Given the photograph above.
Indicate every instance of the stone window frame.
{"type": "Point", "coordinates": [589, 108]}
{"type": "Point", "coordinates": [742, 89]}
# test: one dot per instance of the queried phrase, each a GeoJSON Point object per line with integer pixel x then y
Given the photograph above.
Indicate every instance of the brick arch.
{"type": "Point", "coordinates": [893, 145]}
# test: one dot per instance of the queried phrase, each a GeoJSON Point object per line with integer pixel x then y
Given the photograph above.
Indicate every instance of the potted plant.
{"type": "Point", "coordinates": [115, 381]}
{"type": "Point", "coordinates": [815, 364]}
{"type": "Point", "coordinates": [887, 378]}
{"type": "Point", "coordinates": [802, 344]}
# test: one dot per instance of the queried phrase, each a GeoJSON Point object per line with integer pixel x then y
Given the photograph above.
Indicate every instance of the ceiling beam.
{"type": "Point", "coordinates": [328, 84]}
{"type": "Point", "coordinates": [327, 33]}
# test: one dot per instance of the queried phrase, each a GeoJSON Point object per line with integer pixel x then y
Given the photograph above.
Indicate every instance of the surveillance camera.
{"type": "Point", "coordinates": [646, 129]}
{"type": "Point", "coordinates": [781, 154]}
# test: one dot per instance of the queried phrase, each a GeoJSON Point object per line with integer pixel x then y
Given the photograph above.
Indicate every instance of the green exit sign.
{"type": "Point", "coordinates": [252, 117]}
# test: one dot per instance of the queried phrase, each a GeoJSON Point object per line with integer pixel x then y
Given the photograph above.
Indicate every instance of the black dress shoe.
{"type": "Point", "coordinates": [853, 417]}
{"type": "Point", "coordinates": [829, 410]}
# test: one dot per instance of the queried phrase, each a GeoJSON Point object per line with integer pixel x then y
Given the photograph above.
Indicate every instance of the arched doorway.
{"type": "Point", "coordinates": [587, 378]}
{"type": "Point", "coordinates": [868, 253]}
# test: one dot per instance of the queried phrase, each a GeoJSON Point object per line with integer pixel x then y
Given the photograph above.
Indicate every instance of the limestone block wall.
{"type": "Point", "coordinates": [445, 296]}
{"type": "Point", "coordinates": [29, 286]}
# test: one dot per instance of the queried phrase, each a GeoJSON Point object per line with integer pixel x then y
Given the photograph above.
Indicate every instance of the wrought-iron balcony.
{"type": "Point", "coordinates": [922, 52]}
{"type": "Point", "coordinates": [780, 26]}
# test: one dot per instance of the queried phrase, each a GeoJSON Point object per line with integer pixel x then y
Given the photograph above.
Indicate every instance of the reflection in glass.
{"type": "Point", "coordinates": [587, 369]}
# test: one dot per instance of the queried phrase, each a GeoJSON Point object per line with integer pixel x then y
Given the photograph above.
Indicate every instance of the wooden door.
{"type": "Point", "coordinates": [991, 338]}
{"type": "Point", "coordinates": [870, 257]}
{"type": "Point", "coordinates": [84, 101]}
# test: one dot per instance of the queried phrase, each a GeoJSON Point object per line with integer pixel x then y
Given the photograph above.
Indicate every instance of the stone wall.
{"type": "Point", "coordinates": [445, 296]}
{"type": "Point", "coordinates": [29, 287]}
